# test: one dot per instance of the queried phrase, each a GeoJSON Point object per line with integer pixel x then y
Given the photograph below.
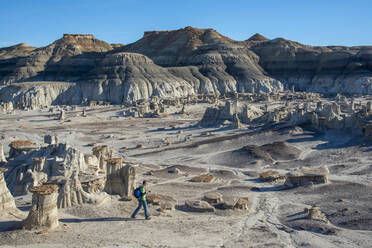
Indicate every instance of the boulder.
{"type": "Point", "coordinates": [242, 203]}
{"type": "Point", "coordinates": [205, 178]}
{"type": "Point", "coordinates": [165, 202]}
{"type": "Point", "coordinates": [236, 203]}
{"type": "Point", "coordinates": [174, 170]}
{"type": "Point", "coordinates": [314, 213]}
{"type": "Point", "coordinates": [199, 206]}
{"type": "Point", "coordinates": [213, 198]}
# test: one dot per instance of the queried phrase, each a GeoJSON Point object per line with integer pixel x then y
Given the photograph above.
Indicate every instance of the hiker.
{"type": "Point", "coordinates": [140, 194]}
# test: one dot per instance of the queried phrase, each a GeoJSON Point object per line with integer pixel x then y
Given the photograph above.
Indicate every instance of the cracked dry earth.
{"type": "Point", "coordinates": [275, 217]}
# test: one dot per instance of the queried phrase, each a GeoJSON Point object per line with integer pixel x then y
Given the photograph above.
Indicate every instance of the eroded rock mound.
{"type": "Point", "coordinates": [205, 178]}
{"type": "Point", "coordinates": [199, 206]}
{"type": "Point", "coordinates": [182, 62]}
{"type": "Point", "coordinates": [213, 198]}
{"type": "Point", "coordinates": [333, 69]}
{"type": "Point", "coordinates": [67, 57]}
{"type": "Point", "coordinates": [164, 201]}
{"type": "Point", "coordinates": [307, 176]}
{"type": "Point", "coordinates": [273, 152]}
{"type": "Point", "coordinates": [19, 50]}
{"type": "Point", "coordinates": [72, 194]}
{"type": "Point", "coordinates": [33, 165]}
{"type": "Point", "coordinates": [234, 112]}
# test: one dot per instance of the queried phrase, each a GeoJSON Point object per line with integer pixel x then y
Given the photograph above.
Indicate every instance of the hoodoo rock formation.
{"type": "Point", "coordinates": [32, 165]}
{"type": "Point", "coordinates": [121, 177]}
{"type": "Point", "coordinates": [43, 213]}
{"type": "Point", "coordinates": [72, 193]}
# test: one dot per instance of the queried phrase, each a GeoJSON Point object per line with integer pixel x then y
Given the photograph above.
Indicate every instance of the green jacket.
{"type": "Point", "coordinates": [143, 193]}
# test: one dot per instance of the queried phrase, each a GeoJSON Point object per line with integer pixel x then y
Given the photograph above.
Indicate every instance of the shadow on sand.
{"type": "Point", "coordinates": [76, 220]}
{"type": "Point", "coordinates": [331, 139]}
{"type": "Point", "coordinates": [270, 188]}
{"type": "Point", "coordinates": [6, 226]}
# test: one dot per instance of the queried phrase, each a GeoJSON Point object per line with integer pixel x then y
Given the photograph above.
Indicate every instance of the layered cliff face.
{"type": "Point", "coordinates": [211, 61]}
{"type": "Point", "coordinates": [319, 69]}
{"type": "Point", "coordinates": [176, 63]}
{"type": "Point", "coordinates": [129, 76]}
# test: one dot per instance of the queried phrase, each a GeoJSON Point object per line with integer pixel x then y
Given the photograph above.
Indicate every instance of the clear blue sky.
{"type": "Point", "coordinates": [313, 22]}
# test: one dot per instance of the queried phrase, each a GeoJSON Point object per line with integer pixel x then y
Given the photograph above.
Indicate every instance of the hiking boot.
{"type": "Point", "coordinates": [148, 218]}
{"type": "Point", "coordinates": [133, 217]}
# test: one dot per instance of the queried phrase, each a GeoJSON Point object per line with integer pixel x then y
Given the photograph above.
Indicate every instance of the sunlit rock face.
{"type": "Point", "coordinates": [176, 63]}
{"type": "Point", "coordinates": [332, 69]}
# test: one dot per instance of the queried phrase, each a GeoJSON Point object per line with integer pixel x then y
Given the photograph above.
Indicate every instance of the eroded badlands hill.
{"type": "Point", "coordinates": [175, 63]}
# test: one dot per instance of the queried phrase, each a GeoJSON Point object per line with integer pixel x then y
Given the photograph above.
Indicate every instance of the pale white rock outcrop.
{"type": "Point", "coordinates": [7, 203]}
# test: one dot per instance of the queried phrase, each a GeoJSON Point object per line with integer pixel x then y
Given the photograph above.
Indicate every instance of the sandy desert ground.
{"type": "Point", "coordinates": [275, 217]}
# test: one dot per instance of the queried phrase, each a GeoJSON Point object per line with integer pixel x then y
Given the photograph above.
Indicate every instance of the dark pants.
{"type": "Point", "coordinates": [140, 204]}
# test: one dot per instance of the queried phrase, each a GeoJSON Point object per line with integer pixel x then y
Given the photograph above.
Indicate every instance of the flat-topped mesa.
{"type": "Point", "coordinates": [43, 213]}
{"type": "Point", "coordinates": [83, 36]}
{"type": "Point", "coordinates": [187, 29]}
{"type": "Point", "coordinates": [121, 177]}
{"type": "Point", "coordinates": [307, 176]}
{"type": "Point", "coordinates": [79, 43]}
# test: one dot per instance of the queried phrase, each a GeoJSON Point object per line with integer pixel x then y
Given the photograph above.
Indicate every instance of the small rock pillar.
{"type": "Point", "coordinates": [121, 177]}
{"type": "Point", "coordinates": [51, 140]}
{"type": "Point", "coordinates": [6, 199]}
{"type": "Point", "coordinates": [2, 156]}
{"type": "Point", "coordinates": [44, 212]}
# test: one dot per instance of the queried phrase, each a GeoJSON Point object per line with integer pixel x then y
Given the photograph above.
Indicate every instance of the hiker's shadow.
{"type": "Point", "coordinates": [6, 226]}
{"type": "Point", "coordinates": [270, 188]}
{"type": "Point", "coordinates": [76, 220]}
